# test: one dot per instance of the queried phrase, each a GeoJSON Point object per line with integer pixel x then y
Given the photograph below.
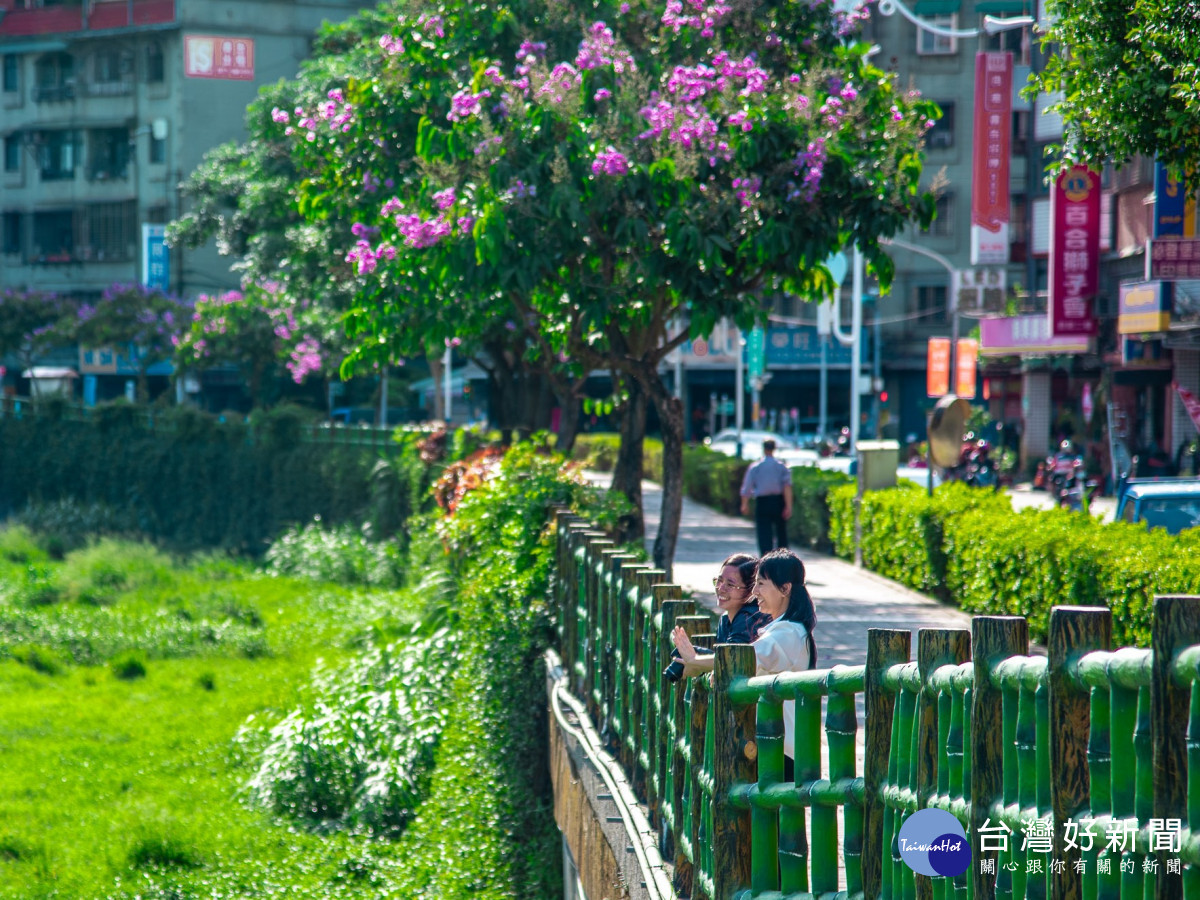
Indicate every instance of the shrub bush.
{"type": "Point", "coordinates": [359, 755]}
{"type": "Point", "coordinates": [809, 524]}
{"type": "Point", "coordinates": [129, 665]}
{"type": "Point", "coordinates": [969, 547]}
{"type": "Point", "coordinates": [342, 554]}
{"type": "Point", "coordinates": [195, 482]}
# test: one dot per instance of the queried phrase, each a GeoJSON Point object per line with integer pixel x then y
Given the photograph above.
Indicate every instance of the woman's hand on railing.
{"type": "Point", "coordinates": [693, 663]}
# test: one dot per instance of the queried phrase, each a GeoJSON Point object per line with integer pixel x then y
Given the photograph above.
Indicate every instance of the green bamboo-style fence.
{"type": "Point", "coordinates": [1032, 752]}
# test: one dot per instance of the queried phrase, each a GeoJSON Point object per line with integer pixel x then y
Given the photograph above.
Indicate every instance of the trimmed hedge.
{"type": "Point", "coordinates": [809, 524]}
{"type": "Point", "coordinates": [969, 547]}
{"type": "Point", "coordinates": [192, 481]}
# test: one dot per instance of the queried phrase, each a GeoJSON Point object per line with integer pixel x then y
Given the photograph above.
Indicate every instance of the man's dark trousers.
{"type": "Point", "coordinates": [769, 523]}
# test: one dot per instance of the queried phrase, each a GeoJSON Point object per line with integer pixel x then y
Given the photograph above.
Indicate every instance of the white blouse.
{"type": "Point", "coordinates": [782, 646]}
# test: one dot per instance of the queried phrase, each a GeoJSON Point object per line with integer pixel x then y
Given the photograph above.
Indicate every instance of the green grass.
{"type": "Point", "coordinates": [123, 787]}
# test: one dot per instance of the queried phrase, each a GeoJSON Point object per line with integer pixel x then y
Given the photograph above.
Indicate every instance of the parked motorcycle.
{"type": "Point", "coordinates": [1077, 489]}
{"type": "Point", "coordinates": [1059, 467]}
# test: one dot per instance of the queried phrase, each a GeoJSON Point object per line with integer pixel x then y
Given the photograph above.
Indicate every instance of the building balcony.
{"type": "Point", "coordinates": [70, 18]}
{"type": "Point", "coordinates": [54, 93]}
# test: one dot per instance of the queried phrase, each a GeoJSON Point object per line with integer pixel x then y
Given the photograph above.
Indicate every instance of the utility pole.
{"type": "Point", "coordinates": [446, 362]}
{"type": "Point", "coordinates": [739, 388]}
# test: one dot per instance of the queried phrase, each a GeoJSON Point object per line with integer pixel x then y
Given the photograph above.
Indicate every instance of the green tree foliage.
{"type": "Point", "coordinates": [600, 180]}
{"type": "Point", "coordinates": [1130, 76]}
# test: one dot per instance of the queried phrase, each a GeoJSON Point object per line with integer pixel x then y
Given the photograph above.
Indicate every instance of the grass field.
{"type": "Point", "coordinates": [127, 680]}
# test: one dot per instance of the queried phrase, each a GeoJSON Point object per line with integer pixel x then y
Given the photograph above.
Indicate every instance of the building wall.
{"type": "Point", "coordinates": [68, 242]}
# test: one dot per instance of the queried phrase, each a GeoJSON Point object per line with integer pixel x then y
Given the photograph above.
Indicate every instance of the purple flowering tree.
{"type": "Point", "coordinates": [33, 323]}
{"type": "Point", "coordinates": [259, 330]}
{"type": "Point", "coordinates": [616, 179]}
{"type": "Point", "coordinates": [136, 321]}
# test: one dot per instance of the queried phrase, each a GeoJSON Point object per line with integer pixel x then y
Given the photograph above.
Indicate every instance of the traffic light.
{"type": "Point", "coordinates": [883, 396]}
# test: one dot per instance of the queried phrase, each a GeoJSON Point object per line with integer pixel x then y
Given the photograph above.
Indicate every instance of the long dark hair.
{"type": "Point", "coordinates": [784, 567]}
{"type": "Point", "coordinates": [746, 566]}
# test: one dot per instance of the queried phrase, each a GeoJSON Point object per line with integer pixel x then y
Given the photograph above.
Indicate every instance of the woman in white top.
{"type": "Point", "coordinates": [784, 645]}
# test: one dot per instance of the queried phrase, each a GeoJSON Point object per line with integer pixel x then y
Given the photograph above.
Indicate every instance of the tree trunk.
{"type": "Point", "coordinates": [627, 473]}
{"type": "Point", "coordinates": [670, 416]}
{"type": "Point", "coordinates": [435, 372]}
{"type": "Point", "coordinates": [569, 419]}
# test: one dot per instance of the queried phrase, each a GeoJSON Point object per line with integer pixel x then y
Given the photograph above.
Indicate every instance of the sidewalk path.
{"type": "Point", "coordinates": [849, 600]}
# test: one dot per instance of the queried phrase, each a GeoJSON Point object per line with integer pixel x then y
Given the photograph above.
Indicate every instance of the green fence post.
{"type": "Point", "coordinates": [1074, 631]}
{"type": "Point", "coordinates": [885, 648]}
{"type": "Point", "coordinates": [841, 730]}
{"type": "Point", "coordinates": [732, 735]}
{"type": "Point", "coordinates": [583, 575]}
{"type": "Point", "coordinates": [645, 679]}
{"type": "Point", "coordinates": [628, 597]}
{"type": "Point", "coordinates": [593, 680]}
{"type": "Point", "coordinates": [691, 713]}
{"type": "Point", "coordinates": [1176, 627]}
{"type": "Point", "coordinates": [935, 648]}
{"type": "Point", "coordinates": [992, 638]}
{"type": "Point", "coordinates": [667, 601]}
{"type": "Point", "coordinates": [764, 821]}
{"type": "Point", "coordinates": [610, 645]}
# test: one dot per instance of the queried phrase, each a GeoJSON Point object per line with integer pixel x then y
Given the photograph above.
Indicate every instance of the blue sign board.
{"type": "Point", "coordinates": [800, 345]}
{"type": "Point", "coordinates": [1170, 204]}
{"type": "Point", "coordinates": [156, 261]}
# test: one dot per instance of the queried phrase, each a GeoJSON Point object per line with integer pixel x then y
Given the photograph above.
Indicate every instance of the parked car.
{"type": "Point", "coordinates": [1170, 503]}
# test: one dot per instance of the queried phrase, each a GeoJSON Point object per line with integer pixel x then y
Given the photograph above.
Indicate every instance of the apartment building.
{"type": "Point", "coordinates": [106, 106]}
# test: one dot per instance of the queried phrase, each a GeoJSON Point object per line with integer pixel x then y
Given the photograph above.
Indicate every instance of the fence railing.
{"type": "Point", "coordinates": [1032, 754]}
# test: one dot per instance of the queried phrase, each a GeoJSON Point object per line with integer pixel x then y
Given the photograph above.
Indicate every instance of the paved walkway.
{"type": "Point", "coordinates": [849, 600]}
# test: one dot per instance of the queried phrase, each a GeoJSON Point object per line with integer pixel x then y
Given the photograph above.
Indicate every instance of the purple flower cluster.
{"type": "Point", "coordinates": [367, 257]}
{"type": "Point", "coordinates": [519, 190]}
{"type": "Point", "coordinates": [704, 15]}
{"type": "Point", "coordinates": [610, 162]}
{"type": "Point", "coordinates": [305, 359]}
{"type": "Point", "coordinates": [428, 22]}
{"type": "Point", "coordinates": [359, 230]}
{"type": "Point", "coordinates": [333, 110]}
{"type": "Point", "coordinates": [563, 79]}
{"type": "Point", "coordinates": [464, 104]}
{"type": "Point", "coordinates": [391, 45]}
{"type": "Point", "coordinates": [811, 162]}
{"type": "Point", "coordinates": [420, 233]}
{"type": "Point", "coordinates": [599, 48]}
{"type": "Point", "coordinates": [445, 199]}
{"type": "Point", "coordinates": [747, 189]}
{"type": "Point", "coordinates": [531, 52]}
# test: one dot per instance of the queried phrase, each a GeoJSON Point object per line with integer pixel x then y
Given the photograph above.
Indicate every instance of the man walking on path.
{"type": "Point", "coordinates": [770, 482]}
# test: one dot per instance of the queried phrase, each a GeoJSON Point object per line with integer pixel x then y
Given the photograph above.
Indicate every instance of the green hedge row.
{"type": "Point", "coordinates": [192, 481]}
{"type": "Point", "coordinates": [969, 547]}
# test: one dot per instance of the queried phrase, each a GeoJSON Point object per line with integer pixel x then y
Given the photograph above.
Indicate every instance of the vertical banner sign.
{"type": "Point", "coordinates": [756, 352]}
{"type": "Point", "coordinates": [1170, 204]}
{"type": "Point", "coordinates": [989, 167]}
{"type": "Point", "coordinates": [964, 376]}
{"type": "Point", "coordinates": [156, 266]}
{"type": "Point", "coordinates": [1190, 403]}
{"type": "Point", "coordinates": [1074, 252]}
{"type": "Point", "coordinates": [937, 375]}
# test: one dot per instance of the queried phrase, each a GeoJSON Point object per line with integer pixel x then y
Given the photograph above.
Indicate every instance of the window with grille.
{"type": "Point", "coordinates": [55, 77]}
{"type": "Point", "coordinates": [1015, 40]}
{"type": "Point", "coordinates": [12, 232]}
{"type": "Point", "coordinates": [12, 152]}
{"type": "Point", "coordinates": [940, 136]}
{"type": "Point", "coordinates": [157, 215]}
{"type": "Point", "coordinates": [930, 44]}
{"type": "Point", "coordinates": [107, 66]}
{"type": "Point", "coordinates": [12, 73]}
{"type": "Point", "coordinates": [56, 155]}
{"type": "Point", "coordinates": [943, 223]}
{"type": "Point", "coordinates": [155, 67]}
{"type": "Point", "coordinates": [54, 236]}
{"type": "Point", "coordinates": [107, 232]}
{"type": "Point", "coordinates": [108, 151]}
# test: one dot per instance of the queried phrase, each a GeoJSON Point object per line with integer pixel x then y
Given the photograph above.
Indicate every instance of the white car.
{"type": "Point", "coordinates": [726, 442]}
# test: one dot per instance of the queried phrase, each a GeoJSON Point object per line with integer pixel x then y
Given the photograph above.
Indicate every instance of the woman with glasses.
{"type": "Point", "coordinates": [741, 619]}
{"type": "Point", "coordinates": [785, 644]}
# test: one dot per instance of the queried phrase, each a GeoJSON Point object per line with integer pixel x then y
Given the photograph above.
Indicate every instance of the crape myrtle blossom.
{"type": "Point", "coordinates": [713, 100]}
{"type": "Point", "coordinates": [304, 359]}
{"type": "Point", "coordinates": [610, 162]}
